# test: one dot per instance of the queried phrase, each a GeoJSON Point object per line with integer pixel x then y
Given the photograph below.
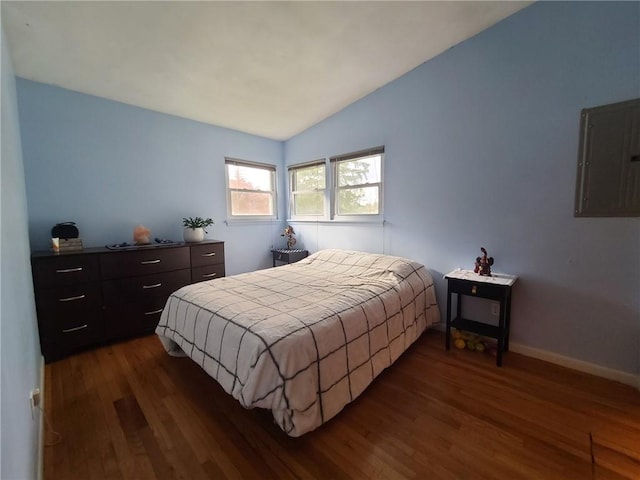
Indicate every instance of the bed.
{"type": "Point", "coordinates": [302, 340]}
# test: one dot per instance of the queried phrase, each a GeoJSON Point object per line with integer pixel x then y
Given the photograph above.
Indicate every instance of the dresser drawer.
{"type": "Point", "coordinates": [69, 318]}
{"type": "Point", "coordinates": [208, 272]}
{"type": "Point", "coordinates": [143, 262]}
{"type": "Point", "coordinates": [125, 320]}
{"type": "Point", "coordinates": [64, 341]}
{"type": "Point", "coordinates": [134, 289]}
{"type": "Point", "coordinates": [64, 270]}
{"type": "Point", "coordinates": [67, 307]}
{"type": "Point", "coordinates": [207, 254]}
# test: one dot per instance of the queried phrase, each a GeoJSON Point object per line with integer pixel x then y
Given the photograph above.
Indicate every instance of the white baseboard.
{"type": "Point", "coordinates": [581, 366]}
{"type": "Point", "coordinates": [568, 362]}
{"type": "Point", "coordinates": [41, 432]}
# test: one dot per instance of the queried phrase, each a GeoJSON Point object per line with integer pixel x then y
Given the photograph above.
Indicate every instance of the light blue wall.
{"type": "Point", "coordinates": [19, 346]}
{"type": "Point", "coordinates": [481, 148]}
{"type": "Point", "coordinates": [110, 166]}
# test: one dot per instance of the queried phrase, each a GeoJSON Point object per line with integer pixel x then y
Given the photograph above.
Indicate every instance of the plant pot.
{"type": "Point", "coordinates": [193, 235]}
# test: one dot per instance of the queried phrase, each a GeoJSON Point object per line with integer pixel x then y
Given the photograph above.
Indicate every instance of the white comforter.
{"type": "Point", "coordinates": [305, 339]}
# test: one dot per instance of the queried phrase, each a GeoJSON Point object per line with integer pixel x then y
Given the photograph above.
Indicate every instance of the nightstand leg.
{"type": "Point", "coordinates": [448, 325]}
{"type": "Point", "coordinates": [501, 332]}
{"type": "Point", "coordinates": [507, 326]}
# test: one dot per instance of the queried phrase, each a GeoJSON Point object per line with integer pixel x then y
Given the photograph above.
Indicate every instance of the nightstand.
{"type": "Point", "coordinates": [288, 256]}
{"type": "Point", "coordinates": [496, 287]}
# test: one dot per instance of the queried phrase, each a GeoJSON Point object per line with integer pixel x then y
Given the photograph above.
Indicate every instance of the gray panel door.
{"type": "Point", "coordinates": [608, 181]}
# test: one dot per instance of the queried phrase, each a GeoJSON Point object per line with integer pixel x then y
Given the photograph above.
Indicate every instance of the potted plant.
{"type": "Point", "coordinates": [194, 228]}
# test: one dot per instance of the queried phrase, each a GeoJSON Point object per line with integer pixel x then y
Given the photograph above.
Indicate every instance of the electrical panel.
{"type": "Point", "coordinates": [608, 181]}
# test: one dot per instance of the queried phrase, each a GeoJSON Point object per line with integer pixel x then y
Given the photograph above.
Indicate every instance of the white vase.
{"type": "Point", "coordinates": [193, 235]}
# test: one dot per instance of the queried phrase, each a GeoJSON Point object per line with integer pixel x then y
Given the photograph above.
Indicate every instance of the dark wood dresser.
{"type": "Point", "coordinates": [98, 295]}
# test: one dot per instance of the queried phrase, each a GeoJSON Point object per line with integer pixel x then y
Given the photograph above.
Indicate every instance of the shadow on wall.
{"type": "Point", "coordinates": [578, 320]}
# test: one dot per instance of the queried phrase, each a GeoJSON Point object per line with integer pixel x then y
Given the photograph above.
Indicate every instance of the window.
{"type": "Point", "coordinates": [357, 183]}
{"type": "Point", "coordinates": [251, 190]}
{"type": "Point", "coordinates": [308, 189]}
{"type": "Point", "coordinates": [355, 193]}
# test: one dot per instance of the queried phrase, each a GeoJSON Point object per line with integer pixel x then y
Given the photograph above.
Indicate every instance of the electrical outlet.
{"type": "Point", "coordinates": [495, 309]}
{"type": "Point", "coordinates": [34, 400]}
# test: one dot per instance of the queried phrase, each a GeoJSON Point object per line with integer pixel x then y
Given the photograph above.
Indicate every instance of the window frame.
{"type": "Point", "coordinates": [332, 188]}
{"type": "Point", "coordinates": [273, 192]}
{"type": "Point", "coordinates": [335, 190]}
{"type": "Point", "coordinates": [325, 195]}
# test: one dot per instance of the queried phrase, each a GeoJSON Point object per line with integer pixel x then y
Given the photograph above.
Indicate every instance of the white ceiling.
{"type": "Point", "coordinates": [267, 68]}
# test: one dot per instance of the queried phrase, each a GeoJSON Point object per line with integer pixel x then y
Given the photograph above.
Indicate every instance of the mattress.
{"type": "Point", "coordinates": [302, 340]}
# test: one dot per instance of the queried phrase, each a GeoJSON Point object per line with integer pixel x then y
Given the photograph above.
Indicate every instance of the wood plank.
{"type": "Point", "coordinates": [129, 410]}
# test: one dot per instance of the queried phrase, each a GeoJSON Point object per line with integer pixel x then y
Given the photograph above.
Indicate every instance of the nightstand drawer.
{"type": "Point", "coordinates": [483, 290]}
{"type": "Point", "coordinates": [143, 262]}
{"type": "Point", "coordinates": [207, 254]}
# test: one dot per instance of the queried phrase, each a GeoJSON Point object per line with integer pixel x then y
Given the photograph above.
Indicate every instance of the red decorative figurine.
{"type": "Point", "coordinates": [483, 264]}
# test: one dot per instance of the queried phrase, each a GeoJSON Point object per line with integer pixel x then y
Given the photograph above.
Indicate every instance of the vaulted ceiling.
{"type": "Point", "coordinates": [267, 68]}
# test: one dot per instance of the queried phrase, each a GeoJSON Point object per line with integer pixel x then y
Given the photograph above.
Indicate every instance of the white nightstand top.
{"type": "Point", "coordinates": [495, 278]}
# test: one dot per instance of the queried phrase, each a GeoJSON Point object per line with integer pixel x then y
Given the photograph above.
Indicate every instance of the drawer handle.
{"type": "Point", "coordinates": [71, 299]}
{"type": "Point", "coordinates": [75, 329]}
{"type": "Point", "coordinates": [154, 312]}
{"type": "Point", "coordinates": [209, 275]}
{"type": "Point", "coordinates": [69, 270]}
{"type": "Point", "coordinates": [149, 262]}
{"type": "Point", "coordinates": [211, 254]}
{"type": "Point", "coordinates": [152, 286]}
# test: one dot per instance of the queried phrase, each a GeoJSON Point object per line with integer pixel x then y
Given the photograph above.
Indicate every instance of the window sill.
{"type": "Point", "coordinates": [369, 223]}
{"type": "Point", "coordinates": [237, 222]}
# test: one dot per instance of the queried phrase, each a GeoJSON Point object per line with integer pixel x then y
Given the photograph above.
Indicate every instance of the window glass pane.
{"type": "Point", "coordinates": [251, 203]}
{"type": "Point", "coordinates": [250, 178]}
{"type": "Point", "coordinates": [358, 201]}
{"type": "Point", "coordinates": [309, 178]}
{"type": "Point", "coordinates": [308, 203]}
{"type": "Point", "coordinates": [251, 189]}
{"type": "Point", "coordinates": [359, 171]}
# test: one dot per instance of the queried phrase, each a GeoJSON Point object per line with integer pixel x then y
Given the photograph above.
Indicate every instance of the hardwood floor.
{"type": "Point", "coordinates": [130, 411]}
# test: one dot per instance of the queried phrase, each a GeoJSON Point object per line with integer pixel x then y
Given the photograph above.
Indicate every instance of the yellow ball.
{"type": "Point", "coordinates": [460, 343]}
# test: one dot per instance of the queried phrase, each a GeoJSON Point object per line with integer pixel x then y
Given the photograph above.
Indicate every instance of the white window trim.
{"type": "Point", "coordinates": [361, 217]}
{"type": "Point", "coordinates": [326, 190]}
{"type": "Point", "coordinates": [331, 188]}
{"type": "Point", "coordinates": [251, 218]}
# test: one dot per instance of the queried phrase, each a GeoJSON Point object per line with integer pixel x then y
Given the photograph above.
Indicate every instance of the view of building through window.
{"type": "Point", "coordinates": [251, 189]}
